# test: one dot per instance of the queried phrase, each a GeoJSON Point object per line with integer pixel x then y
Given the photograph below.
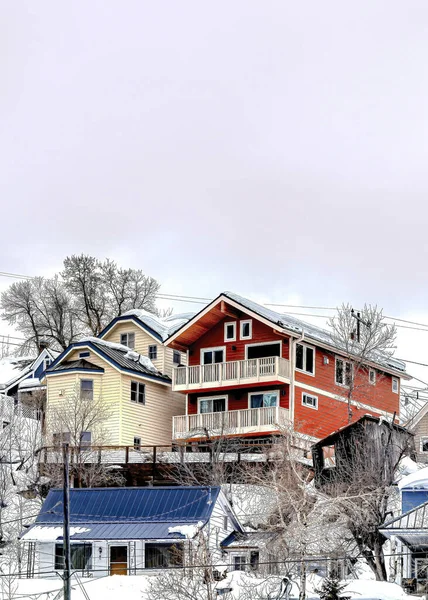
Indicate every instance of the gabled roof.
{"type": "Point", "coordinates": [158, 328]}
{"type": "Point", "coordinates": [126, 513]}
{"type": "Point", "coordinates": [249, 539]}
{"type": "Point", "coordinates": [13, 369]}
{"type": "Point", "coordinates": [280, 321]}
{"type": "Point", "coordinates": [121, 357]}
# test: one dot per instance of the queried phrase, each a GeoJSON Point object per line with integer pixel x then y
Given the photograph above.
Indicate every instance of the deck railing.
{"type": "Point", "coordinates": [263, 419]}
{"type": "Point", "coordinates": [232, 372]}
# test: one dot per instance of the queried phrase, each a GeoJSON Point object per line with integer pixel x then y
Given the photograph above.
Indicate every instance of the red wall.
{"type": "Point", "coordinates": [238, 399]}
{"type": "Point", "coordinates": [215, 337]}
{"type": "Point", "coordinates": [379, 395]}
{"type": "Point", "coordinates": [331, 415]}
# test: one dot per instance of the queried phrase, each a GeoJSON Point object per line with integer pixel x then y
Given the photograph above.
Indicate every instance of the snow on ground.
{"type": "Point", "coordinates": [133, 587]}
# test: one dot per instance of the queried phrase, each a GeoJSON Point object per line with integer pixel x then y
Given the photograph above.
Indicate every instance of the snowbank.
{"type": "Point", "coordinates": [418, 479]}
{"type": "Point", "coordinates": [189, 531]}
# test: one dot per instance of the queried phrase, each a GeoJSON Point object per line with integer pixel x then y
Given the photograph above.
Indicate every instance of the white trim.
{"type": "Point", "coordinates": [127, 333]}
{"type": "Point", "coordinates": [226, 325]}
{"type": "Point", "coordinates": [421, 441]}
{"type": "Point", "coordinates": [397, 382]}
{"type": "Point", "coordinates": [263, 344]}
{"type": "Point", "coordinates": [250, 323]}
{"type": "Point", "coordinates": [277, 392]}
{"type": "Point", "coordinates": [304, 358]}
{"type": "Point", "coordinates": [344, 360]}
{"type": "Point", "coordinates": [321, 392]}
{"type": "Point", "coordinates": [213, 349]}
{"type": "Point", "coordinates": [219, 397]}
{"type": "Point", "coordinates": [309, 405]}
{"type": "Point", "coordinates": [374, 380]}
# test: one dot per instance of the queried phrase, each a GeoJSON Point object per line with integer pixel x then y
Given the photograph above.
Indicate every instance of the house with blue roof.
{"type": "Point", "coordinates": [129, 531]}
{"type": "Point", "coordinates": [128, 368]}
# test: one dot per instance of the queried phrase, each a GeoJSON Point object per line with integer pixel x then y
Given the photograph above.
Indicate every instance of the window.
{"type": "Point", "coordinates": [153, 352]}
{"type": "Point", "coordinates": [230, 332]}
{"type": "Point", "coordinates": [372, 376]}
{"type": "Point", "coordinates": [343, 372]}
{"type": "Point", "coordinates": [47, 363]}
{"type": "Point", "coordinates": [424, 444]}
{"type": "Point", "coordinates": [263, 400]}
{"type": "Point", "coordinates": [246, 330]}
{"type": "Point", "coordinates": [210, 356]}
{"type": "Point", "coordinates": [85, 438]}
{"type": "Point", "coordinates": [162, 556]}
{"type": "Point", "coordinates": [263, 350]}
{"type": "Point", "coordinates": [81, 557]}
{"type": "Point", "coordinates": [137, 443]}
{"type": "Point", "coordinates": [61, 438]}
{"type": "Point", "coordinates": [395, 385]}
{"type": "Point", "coordinates": [138, 392]}
{"type": "Point", "coordinates": [225, 523]}
{"type": "Point", "coordinates": [239, 562]}
{"type": "Point", "coordinates": [310, 401]}
{"type": "Point", "coordinates": [176, 357]}
{"type": "Point", "coordinates": [210, 405]}
{"type": "Point", "coordinates": [128, 339]}
{"type": "Point", "coordinates": [254, 560]}
{"type": "Point", "coordinates": [87, 389]}
{"type": "Point", "coordinates": [305, 359]}
{"type": "Point", "coordinates": [84, 354]}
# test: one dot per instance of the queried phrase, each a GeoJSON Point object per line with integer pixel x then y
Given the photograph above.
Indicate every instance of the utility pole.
{"type": "Point", "coordinates": [66, 535]}
{"type": "Point", "coordinates": [359, 320]}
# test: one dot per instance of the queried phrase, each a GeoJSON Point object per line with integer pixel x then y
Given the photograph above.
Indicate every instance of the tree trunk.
{"type": "Point", "coordinates": [302, 594]}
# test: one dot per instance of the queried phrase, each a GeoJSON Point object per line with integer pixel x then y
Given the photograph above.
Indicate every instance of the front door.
{"type": "Point", "coordinates": [118, 560]}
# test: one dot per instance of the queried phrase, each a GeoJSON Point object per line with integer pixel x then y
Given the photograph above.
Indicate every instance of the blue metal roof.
{"type": "Point", "coordinates": [121, 505]}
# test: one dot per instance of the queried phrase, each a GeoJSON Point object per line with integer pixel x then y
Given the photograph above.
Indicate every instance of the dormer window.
{"type": "Point", "coordinates": [128, 339]}
{"type": "Point", "coordinates": [230, 331]}
{"type": "Point", "coordinates": [246, 330]}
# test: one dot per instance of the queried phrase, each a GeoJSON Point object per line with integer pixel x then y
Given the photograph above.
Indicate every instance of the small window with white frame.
{"type": "Point", "coordinates": [372, 376]}
{"type": "Point", "coordinates": [395, 385]}
{"type": "Point", "coordinates": [87, 389]}
{"type": "Point", "coordinates": [138, 392]}
{"type": "Point", "coordinates": [239, 562]}
{"type": "Point", "coordinates": [309, 400]}
{"type": "Point", "coordinates": [305, 359]}
{"type": "Point", "coordinates": [230, 331]}
{"type": "Point", "coordinates": [246, 330]}
{"type": "Point", "coordinates": [343, 372]}
{"type": "Point", "coordinates": [153, 352]}
{"type": "Point", "coordinates": [128, 339]}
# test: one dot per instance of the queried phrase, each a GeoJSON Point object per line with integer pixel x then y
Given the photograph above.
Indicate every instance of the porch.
{"type": "Point", "coordinates": [236, 372]}
{"type": "Point", "coordinates": [267, 419]}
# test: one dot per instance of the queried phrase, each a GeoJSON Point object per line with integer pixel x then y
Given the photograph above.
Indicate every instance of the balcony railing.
{"type": "Point", "coordinates": [231, 373]}
{"type": "Point", "coordinates": [264, 420]}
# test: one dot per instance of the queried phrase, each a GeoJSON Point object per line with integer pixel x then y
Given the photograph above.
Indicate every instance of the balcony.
{"type": "Point", "coordinates": [226, 374]}
{"type": "Point", "coordinates": [258, 420]}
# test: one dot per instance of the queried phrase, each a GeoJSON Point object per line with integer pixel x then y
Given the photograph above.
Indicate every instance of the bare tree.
{"type": "Point", "coordinates": [81, 422]}
{"type": "Point", "coordinates": [79, 301]}
{"type": "Point", "coordinates": [362, 337]}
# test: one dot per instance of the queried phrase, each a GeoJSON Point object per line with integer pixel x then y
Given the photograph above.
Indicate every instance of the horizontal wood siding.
{"type": "Point", "coordinates": [107, 386]}
{"type": "Point", "coordinates": [151, 421]}
{"type": "Point", "coordinates": [331, 414]}
{"type": "Point", "coordinates": [239, 399]}
{"type": "Point", "coordinates": [261, 333]}
{"type": "Point", "coordinates": [421, 431]}
{"type": "Point", "coordinates": [379, 395]}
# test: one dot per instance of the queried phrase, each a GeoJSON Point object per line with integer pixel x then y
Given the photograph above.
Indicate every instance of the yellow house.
{"type": "Point", "coordinates": [127, 370]}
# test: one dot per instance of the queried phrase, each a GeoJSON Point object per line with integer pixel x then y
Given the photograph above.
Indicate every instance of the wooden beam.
{"type": "Point", "coordinates": [177, 346]}
{"type": "Point", "coordinates": [228, 310]}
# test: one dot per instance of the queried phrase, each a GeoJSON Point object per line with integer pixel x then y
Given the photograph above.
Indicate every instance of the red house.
{"type": "Point", "coordinates": [252, 370]}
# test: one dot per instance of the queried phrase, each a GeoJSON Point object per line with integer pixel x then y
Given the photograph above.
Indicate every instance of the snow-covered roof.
{"type": "Point", "coordinates": [163, 327]}
{"type": "Point", "coordinates": [30, 382]}
{"type": "Point", "coordinates": [418, 480]}
{"type": "Point", "coordinates": [12, 368]}
{"type": "Point", "coordinates": [310, 331]}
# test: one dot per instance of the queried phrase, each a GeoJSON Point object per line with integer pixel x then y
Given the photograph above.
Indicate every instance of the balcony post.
{"type": "Point", "coordinates": [276, 365]}
{"type": "Point", "coordinates": [258, 368]}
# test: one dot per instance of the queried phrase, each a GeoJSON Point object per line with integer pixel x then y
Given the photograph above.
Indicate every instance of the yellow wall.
{"type": "Point", "coordinates": [152, 421]}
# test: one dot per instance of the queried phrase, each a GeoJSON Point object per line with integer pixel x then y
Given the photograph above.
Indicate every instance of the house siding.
{"type": "Point", "coordinates": [421, 431]}
{"type": "Point", "coordinates": [239, 399]}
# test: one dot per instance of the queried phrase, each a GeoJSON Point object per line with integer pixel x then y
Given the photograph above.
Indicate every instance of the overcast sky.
{"type": "Point", "coordinates": [274, 148]}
